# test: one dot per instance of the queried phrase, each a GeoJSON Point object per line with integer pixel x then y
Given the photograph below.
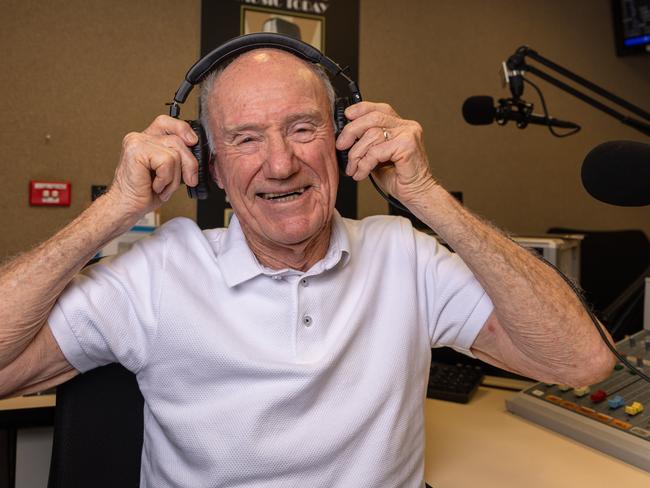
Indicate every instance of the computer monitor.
{"type": "Point", "coordinates": [631, 26]}
{"type": "Point", "coordinates": [562, 251]}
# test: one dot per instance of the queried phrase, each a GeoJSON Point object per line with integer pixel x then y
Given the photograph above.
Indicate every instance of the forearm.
{"type": "Point", "coordinates": [548, 330]}
{"type": "Point", "coordinates": [539, 325]}
{"type": "Point", "coordinates": [31, 283]}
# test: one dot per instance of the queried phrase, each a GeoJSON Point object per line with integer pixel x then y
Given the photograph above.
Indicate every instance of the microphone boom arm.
{"type": "Point", "coordinates": [517, 62]}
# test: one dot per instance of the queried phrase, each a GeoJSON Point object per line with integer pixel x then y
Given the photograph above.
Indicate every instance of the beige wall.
{"type": "Point", "coordinates": [427, 56]}
{"type": "Point", "coordinates": [87, 72]}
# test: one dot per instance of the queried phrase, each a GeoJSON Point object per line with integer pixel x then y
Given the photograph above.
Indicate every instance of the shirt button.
{"type": "Point", "coordinates": [276, 277]}
{"type": "Point", "coordinates": [304, 282]}
{"type": "Point", "coordinates": [307, 321]}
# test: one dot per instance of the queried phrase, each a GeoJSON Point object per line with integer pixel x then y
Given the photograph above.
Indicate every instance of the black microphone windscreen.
{"type": "Point", "coordinates": [479, 110]}
{"type": "Point", "coordinates": [618, 172]}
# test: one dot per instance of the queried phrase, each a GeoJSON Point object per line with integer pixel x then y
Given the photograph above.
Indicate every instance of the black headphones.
{"type": "Point", "coordinates": [237, 46]}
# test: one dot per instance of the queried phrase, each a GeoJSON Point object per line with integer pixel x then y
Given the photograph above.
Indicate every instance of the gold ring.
{"type": "Point", "coordinates": [385, 134]}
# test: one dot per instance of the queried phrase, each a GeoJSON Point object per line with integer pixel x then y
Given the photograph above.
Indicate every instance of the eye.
{"type": "Point", "coordinates": [244, 140]}
{"type": "Point", "coordinates": [303, 132]}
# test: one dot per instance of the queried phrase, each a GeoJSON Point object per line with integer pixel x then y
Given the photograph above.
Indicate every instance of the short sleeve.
{"type": "Point", "coordinates": [109, 312]}
{"type": "Point", "coordinates": [457, 307]}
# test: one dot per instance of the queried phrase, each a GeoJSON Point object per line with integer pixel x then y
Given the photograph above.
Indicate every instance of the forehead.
{"type": "Point", "coordinates": [266, 78]}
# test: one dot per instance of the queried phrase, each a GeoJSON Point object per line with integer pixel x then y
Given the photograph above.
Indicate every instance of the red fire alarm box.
{"type": "Point", "coordinates": [50, 193]}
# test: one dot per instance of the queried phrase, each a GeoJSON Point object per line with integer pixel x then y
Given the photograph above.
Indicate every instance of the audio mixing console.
{"type": "Point", "coordinates": [612, 416]}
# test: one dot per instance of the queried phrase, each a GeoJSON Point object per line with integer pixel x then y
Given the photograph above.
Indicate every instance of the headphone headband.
{"type": "Point", "coordinates": [248, 42]}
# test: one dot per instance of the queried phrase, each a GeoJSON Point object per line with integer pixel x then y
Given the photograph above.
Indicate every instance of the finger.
{"type": "Point", "coordinates": [357, 110]}
{"type": "Point", "coordinates": [189, 164]}
{"type": "Point", "coordinates": [355, 129]}
{"type": "Point", "coordinates": [169, 190]}
{"type": "Point", "coordinates": [376, 155]}
{"type": "Point", "coordinates": [163, 162]}
{"type": "Point", "coordinates": [373, 136]}
{"type": "Point", "coordinates": [164, 125]}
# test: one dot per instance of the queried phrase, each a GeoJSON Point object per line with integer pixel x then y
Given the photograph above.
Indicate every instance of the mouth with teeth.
{"type": "Point", "coordinates": [283, 197]}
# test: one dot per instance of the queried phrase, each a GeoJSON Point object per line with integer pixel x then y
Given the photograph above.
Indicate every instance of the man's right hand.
{"type": "Point", "coordinates": [152, 165]}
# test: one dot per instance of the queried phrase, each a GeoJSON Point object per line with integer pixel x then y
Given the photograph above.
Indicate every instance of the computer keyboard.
{"type": "Point", "coordinates": [453, 382]}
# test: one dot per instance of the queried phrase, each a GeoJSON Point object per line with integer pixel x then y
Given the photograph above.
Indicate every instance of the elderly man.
{"type": "Point", "coordinates": [291, 349]}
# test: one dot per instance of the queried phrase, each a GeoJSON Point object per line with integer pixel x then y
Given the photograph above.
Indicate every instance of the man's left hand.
{"type": "Point", "coordinates": [381, 142]}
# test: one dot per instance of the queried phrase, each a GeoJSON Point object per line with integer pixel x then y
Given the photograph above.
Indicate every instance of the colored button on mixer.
{"type": "Point", "coordinates": [589, 412]}
{"type": "Point", "coordinates": [621, 425]}
{"type": "Point", "coordinates": [599, 396]}
{"type": "Point", "coordinates": [569, 405]}
{"type": "Point", "coordinates": [554, 399]}
{"type": "Point", "coordinates": [634, 408]}
{"type": "Point", "coordinates": [616, 402]}
{"type": "Point", "coordinates": [603, 417]}
{"type": "Point", "coordinates": [582, 391]}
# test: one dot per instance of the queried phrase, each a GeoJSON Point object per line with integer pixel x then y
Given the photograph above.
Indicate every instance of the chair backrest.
{"type": "Point", "coordinates": [98, 430]}
{"type": "Point", "coordinates": [610, 262]}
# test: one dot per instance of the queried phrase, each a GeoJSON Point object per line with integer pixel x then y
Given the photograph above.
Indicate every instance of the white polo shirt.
{"type": "Point", "coordinates": [255, 377]}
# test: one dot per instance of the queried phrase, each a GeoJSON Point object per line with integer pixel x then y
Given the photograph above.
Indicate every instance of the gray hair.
{"type": "Point", "coordinates": [208, 84]}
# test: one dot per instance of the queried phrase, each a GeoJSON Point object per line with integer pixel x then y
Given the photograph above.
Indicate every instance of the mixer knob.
{"type": "Point", "coordinates": [634, 408]}
{"type": "Point", "coordinates": [582, 391]}
{"type": "Point", "coordinates": [615, 402]}
{"type": "Point", "coordinates": [599, 396]}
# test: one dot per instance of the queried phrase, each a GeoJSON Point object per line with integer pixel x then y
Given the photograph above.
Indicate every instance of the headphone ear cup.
{"type": "Point", "coordinates": [201, 151]}
{"type": "Point", "coordinates": [340, 120]}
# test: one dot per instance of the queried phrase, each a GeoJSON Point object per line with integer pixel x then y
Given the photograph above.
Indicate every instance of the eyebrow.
{"type": "Point", "coordinates": [308, 116]}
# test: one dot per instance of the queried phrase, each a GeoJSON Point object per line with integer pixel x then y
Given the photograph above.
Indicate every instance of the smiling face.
{"type": "Point", "coordinates": [272, 128]}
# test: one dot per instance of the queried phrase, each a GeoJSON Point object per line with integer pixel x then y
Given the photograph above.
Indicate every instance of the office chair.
{"type": "Point", "coordinates": [612, 266]}
{"type": "Point", "coordinates": [98, 431]}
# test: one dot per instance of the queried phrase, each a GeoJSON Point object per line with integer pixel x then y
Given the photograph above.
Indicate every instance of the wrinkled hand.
{"type": "Point", "coordinates": [153, 163]}
{"type": "Point", "coordinates": [383, 143]}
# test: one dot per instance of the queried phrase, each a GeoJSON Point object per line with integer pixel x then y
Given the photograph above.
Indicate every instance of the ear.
{"type": "Point", "coordinates": [213, 166]}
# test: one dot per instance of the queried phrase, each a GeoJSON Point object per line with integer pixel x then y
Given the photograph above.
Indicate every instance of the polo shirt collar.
{"type": "Point", "coordinates": [238, 263]}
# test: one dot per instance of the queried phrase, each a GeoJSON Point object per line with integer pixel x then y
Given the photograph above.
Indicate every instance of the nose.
{"type": "Point", "coordinates": [280, 162]}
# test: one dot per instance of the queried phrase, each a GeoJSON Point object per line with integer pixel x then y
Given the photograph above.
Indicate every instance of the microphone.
{"type": "Point", "coordinates": [618, 172]}
{"type": "Point", "coordinates": [480, 110]}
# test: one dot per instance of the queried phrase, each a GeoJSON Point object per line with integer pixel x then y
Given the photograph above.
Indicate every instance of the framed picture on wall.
{"type": "Point", "coordinates": [304, 27]}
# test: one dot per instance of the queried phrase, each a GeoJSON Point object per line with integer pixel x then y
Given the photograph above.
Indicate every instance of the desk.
{"type": "Point", "coordinates": [480, 444]}
{"type": "Point", "coordinates": [475, 445]}
{"type": "Point", "coordinates": [27, 411]}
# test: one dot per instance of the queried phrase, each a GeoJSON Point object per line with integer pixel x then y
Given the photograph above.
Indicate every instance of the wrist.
{"type": "Point", "coordinates": [111, 216]}
{"type": "Point", "coordinates": [124, 207]}
{"type": "Point", "coordinates": [436, 207]}
{"type": "Point", "coordinates": [424, 198]}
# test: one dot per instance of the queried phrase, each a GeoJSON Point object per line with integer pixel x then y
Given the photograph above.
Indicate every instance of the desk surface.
{"type": "Point", "coordinates": [26, 402]}
{"type": "Point", "coordinates": [482, 444]}
{"type": "Point", "coordinates": [24, 412]}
